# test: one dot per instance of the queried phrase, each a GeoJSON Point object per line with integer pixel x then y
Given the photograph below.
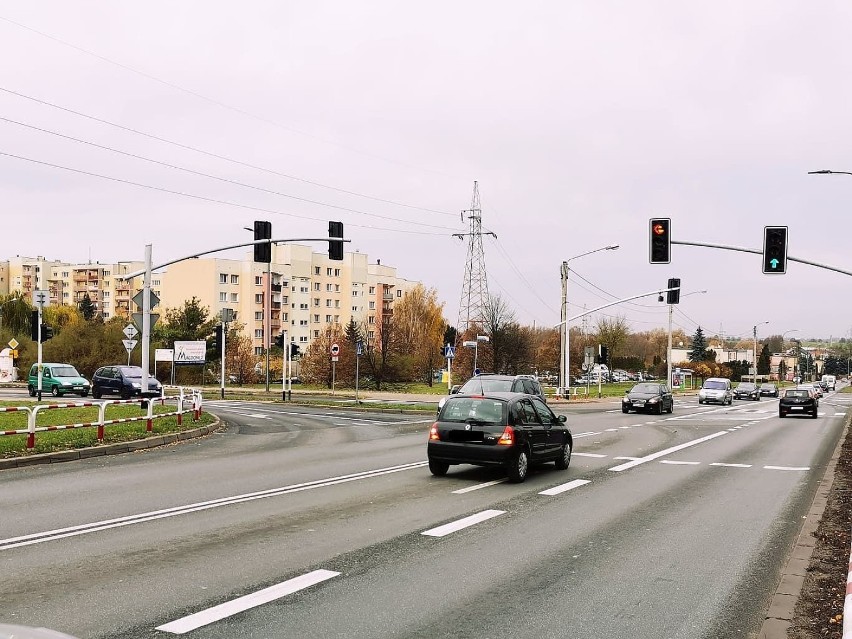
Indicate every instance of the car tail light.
{"type": "Point", "coordinates": [508, 436]}
{"type": "Point", "coordinates": [433, 433]}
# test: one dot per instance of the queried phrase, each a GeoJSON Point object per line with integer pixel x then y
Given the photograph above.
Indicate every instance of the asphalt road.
{"type": "Point", "coordinates": [299, 522]}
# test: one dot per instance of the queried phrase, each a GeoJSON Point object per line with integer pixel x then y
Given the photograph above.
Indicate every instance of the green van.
{"type": "Point", "coordinates": [58, 379]}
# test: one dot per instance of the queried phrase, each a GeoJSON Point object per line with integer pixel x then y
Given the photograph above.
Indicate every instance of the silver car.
{"type": "Point", "coordinates": [716, 390]}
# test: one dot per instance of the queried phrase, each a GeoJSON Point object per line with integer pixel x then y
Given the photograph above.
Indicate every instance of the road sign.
{"type": "Point", "coordinates": [129, 344]}
{"type": "Point", "coordinates": [13, 343]}
{"type": "Point", "coordinates": [335, 350]}
{"type": "Point", "coordinates": [139, 299]}
{"type": "Point", "coordinates": [164, 355]}
{"type": "Point", "coordinates": [334, 358]}
{"type": "Point", "coordinates": [41, 298]}
{"type": "Point", "coordinates": [359, 348]}
{"type": "Point", "coordinates": [476, 371]}
{"type": "Point", "coordinates": [137, 319]}
{"type": "Point", "coordinates": [589, 355]}
{"type": "Point", "coordinates": [450, 352]}
{"type": "Point", "coordinates": [130, 331]}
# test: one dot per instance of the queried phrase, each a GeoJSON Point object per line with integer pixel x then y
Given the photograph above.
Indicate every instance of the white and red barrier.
{"type": "Point", "coordinates": [147, 403]}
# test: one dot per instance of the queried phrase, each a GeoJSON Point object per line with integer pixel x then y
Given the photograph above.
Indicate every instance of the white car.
{"type": "Point", "coordinates": [716, 390]}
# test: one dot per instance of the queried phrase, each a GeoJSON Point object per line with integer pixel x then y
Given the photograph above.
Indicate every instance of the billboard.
{"type": "Point", "coordinates": [190, 352]}
{"type": "Point", "coordinates": [164, 355]}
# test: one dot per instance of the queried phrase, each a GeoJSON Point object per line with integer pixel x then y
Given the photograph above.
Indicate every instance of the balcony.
{"type": "Point", "coordinates": [276, 306]}
{"type": "Point", "coordinates": [276, 288]}
{"type": "Point", "coordinates": [387, 297]}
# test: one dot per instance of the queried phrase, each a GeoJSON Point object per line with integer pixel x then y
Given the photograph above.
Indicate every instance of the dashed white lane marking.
{"type": "Point", "coordinates": [588, 434]}
{"type": "Point", "coordinates": [259, 416]}
{"type": "Point", "coordinates": [589, 455]}
{"type": "Point", "coordinates": [786, 467]}
{"type": "Point", "coordinates": [556, 490]}
{"type": "Point", "coordinates": [628, 458]}
{"type": "Point", "coordinates": [462, 491]}
{"type": "Point", "coordinates": [612, 430]}
{"type": "Point", "coordinates": [229, 608]}
{"type": "Point", "coordinates": [623, 427]}
{"type": "Point", "coordinates": [667, 451]}
{"type": "Point", "coordinates": [731, 465]}
{"type": "Point", "coordinates": [454, 526]}
{"type": "Point", "coordinates": [680, 463]}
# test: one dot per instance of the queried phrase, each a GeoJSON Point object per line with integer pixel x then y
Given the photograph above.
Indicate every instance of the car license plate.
{"type": "Point", "coordinates": [797, 407]}
{"type": "Point", "coordinates": [639, 402]}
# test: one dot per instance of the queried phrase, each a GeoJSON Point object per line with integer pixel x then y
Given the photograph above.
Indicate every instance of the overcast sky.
{"type": "Point", "coordinates": [580, 120]}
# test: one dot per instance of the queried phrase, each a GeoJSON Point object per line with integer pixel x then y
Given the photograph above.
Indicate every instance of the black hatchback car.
{"type": "Point", "coordinates": [800, 401]}
{"type": "Point", "coordinates": [650, 396]}
{"type": "Point", "coordinates": [124, 381]}
{"type": "Point", "coordinates": [511, 430]}
{"type": "Point", "coordinates": [747, 390]}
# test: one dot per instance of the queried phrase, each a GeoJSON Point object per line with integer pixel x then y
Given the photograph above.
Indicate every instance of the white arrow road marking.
{"type": "Point", "coordinates": [665, 452]}
{"type": "Point", "coordinates": [255, 599]}
{"type": "Point", "coordinates": [454, 526]}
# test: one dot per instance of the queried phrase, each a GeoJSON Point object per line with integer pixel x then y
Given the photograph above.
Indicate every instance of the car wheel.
{"type": "Point", "coordinates": [439, 469]}
{"type": "Point", "coordinates": [625, 410]}
{"type": "Point", "coordinates": [519, 466]}
{"type": "Point", "coordinates": [564, 459]}
{"type": "Point", "coordinates": [32, 391]}
{"type": "Point", "coordinates": [96, 392]}
{"type": "Point", "coordinates": [660, 408]}
{"type": "Point", "coordinates": [700, 401]}
{"type": "Point", "coordinates": [125, 393]}
{"type": "Point", "coordinates": [54, 390]}
{"type": "Point", "coordinates": [84, 394]}
{"type": "Point", "coordinates": [671, 407]}
{"type": "Point", "coordinates": [815, 414]}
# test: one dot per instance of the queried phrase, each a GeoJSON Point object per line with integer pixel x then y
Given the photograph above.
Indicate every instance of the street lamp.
{"type": "Point", "coordinates": [783, 335]}
{"type": "Point", "coordinates": [828, 172]}
{"type": "Point", "coordinates": [474, 344]}
{"type": "Point", "coordinates": [565, 360]}
{"type": "Point", "coordinates": [754, 356]}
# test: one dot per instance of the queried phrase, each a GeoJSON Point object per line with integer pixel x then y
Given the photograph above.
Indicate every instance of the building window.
{"type": "Point", "coordinates": [258, 350]}
{"type": "Point", "coordinates": [316, 301]}
{"type": "Point", "coordinates": [106, 294]}
{"type": "Point", "coordinates": [65, 295]}
{"type": "Point", "coordinates": [399, 292]}
{"type": "Point", "coordinates": [258, 333]}
{"type": "Point", "coordinates": [258, 316]}
{"type": "Point", "coordinates": [64, 273]}
{"type": "Point", "coordinates": [223, 278]}
{"type": "Point", "coordinates": [258, 298]}
{"type": "Point", "coordinates": [303, 307]}
{"type": "Point", "coordinates": [285, 300]}
{"type": "Point", "coordinates": [328, 319]}
{"type": "Point", "coordinates": [316, 318]}
{"type": "Point", "coordinates": [337, 288]}
{"type": "Point", "coordinates": [337, 272]}
{"type": "Point", "coordinates": [106, 273]}
{"type": "Point", "coordinates": [328, 272]}
{"type": "Point", "coordinates": [303, 322]}
{"type": "Point", "coordinates": [106, 315]}
{"type": "Point", "coordinates": [284, 319]}
{"type": "Point", "coordinates": [316, 286]}
{"type": "Point", "coordinates": [371, 319]}
{"type": "Point", "coordinates": [316, 270]}
{"type": "Point", "coordinates": [303, 289]}
{"type": "Point", "coordinates": [316, 334]}
{"type": "Point", "coordinates": [235, 279]}
{"type": "Point", "coordinates": [328, 303]}
{"type": "Point", "coordinates": [370, 334]}
{"type": "Point", "coordinates": [372, 306]}
{"type": "Point", "coordinates": [258, 280]}
{"type": "Point", "coordinates": [337, 319]}
{"type": "Point", "coordinates": [328, 288]}
{"type": "Point", "coordinates": [234, 297]}
{"type": "Point", "coordinates": [223, 296]}
{"type": "Point", "coordinates": [354, 309]}
{"type": "Point", "coordinates": [285, 284]}
{"type": "Point", "coordinates": [354, 293]}
{"type": "Point", "coordinates": [105, 305]}
{"type": "Point", "coordinates": [303, 338]}
{"type": "Point", "coordinates": [336, 303]}
{"type": "Point", "coordinates": [372, 290]}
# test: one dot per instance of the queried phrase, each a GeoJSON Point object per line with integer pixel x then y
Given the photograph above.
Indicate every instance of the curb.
{"type": "Point", "coordinates": [779, 617]}
{"type": "Point", "coordinates": [110, 449]}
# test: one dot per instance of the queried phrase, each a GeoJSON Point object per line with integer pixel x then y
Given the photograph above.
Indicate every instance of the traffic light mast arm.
{"type": "Point", "coordinates": [759, 252]}
{"type": "Point", "coordinates": [625, 299]}
{"type": "Point", "coordinates": [228, 248]}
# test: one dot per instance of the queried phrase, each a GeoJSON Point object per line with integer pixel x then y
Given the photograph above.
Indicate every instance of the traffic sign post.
{"type": "Point", "coordinates": [450, 354]}
{"type": "Point", "coordinates": [359, 347]}
{"type": "Point", "coordinates": [335, 351]}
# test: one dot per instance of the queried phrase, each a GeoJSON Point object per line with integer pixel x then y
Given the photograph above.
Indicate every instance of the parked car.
{"type": "Point", "coordinates": [124, 381]}
{"type": "Point", "coordinates": [716, 389]}
{"type": "Point", "coordinates": [511, 430]}
{"type": "Point", "coordinates": [768, 389]}
{"type": "Point", "coordinates": [747, 390]}
{"type": "Point", "coordinates": [57, 379]}
{"type": "Point", "coordinates": [801, 400]}
{"type": "Point", "coordinates": [489, 382]}
{"type": "Point", "coordinates": [649, 396]}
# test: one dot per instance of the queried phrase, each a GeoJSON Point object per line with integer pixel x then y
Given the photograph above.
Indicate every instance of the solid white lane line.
{"type": "Point", "coordinates": [588, 455]}
{"type": "Point", "coordinates": [786, 467]}
{"type": "Point", "coordinates": [624, 427]}
{"type": "Point", "coordinates": [229, 608]}
{"type": "Point", "coordinates": [665, 452]}
{"type": "Point", "coordinates": [585, 435]}
{"type": "Point", "coordinates": [556, 490]}
{"type": "Point", "coordinates": [454, 526]}
{"type": "Point", "coordinates": [732, 430]}
{"type": "Point", "coordinates": [82, 529]}
{"type": "Point", "coordinates": [731, 465]}
{"type": "Point", "coordinates": [462, 491]}
{"type": "Point", "coordinates": [679, 463]}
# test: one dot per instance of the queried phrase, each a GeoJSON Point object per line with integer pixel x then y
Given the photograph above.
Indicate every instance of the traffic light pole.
{"type": "Point", "coordinates": [222, 374]}
{"type": "Point", "coordinates": [759, 252]}
{"type": "Point", "coordinates": [40, 307]}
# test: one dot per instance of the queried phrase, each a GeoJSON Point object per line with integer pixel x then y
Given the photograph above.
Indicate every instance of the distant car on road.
{"type": "Point", "coordinates": [648, 396]}
{"type": "Point", "coordinates": [818, 389]}
{"type": "Point", "coordinates": [511, 430]}
{"type": "Point", "coordinates": [124, 381]}
{"type": "Point", "coordinates": [747, 390]}
{"type": "Point", "coordinates": [716, 389]}
{"type": "Point", "coordinates": [57, 379]}
{"type": "Point", "coordinates": [768, 389]}
{"type": "Point", "coordinates": [801, 400]}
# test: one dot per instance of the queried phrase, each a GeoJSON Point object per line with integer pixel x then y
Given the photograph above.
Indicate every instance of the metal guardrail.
{"type": "Point", "coordinates": [187, 400]}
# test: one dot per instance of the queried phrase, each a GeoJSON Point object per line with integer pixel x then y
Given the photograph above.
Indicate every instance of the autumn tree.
{"type": "Point", "coordinates": [87, 308]}
{"type": "Point", "coordinates": [419, 328]}
{"type": "Point", "coordinates": [500, 325]}
{"type": "Point", "coordinates": [316, 361]}
{"type": "Point", "coordinates": [380, 353]}
{"type": "Point", "coordinates": [612, 333]}
{"type": "Point", "coordinates": [15, 310]}
{"type": "Point", "coordinates": [86, 345]}
{"type": "Point", "coordinates": [240, 359]}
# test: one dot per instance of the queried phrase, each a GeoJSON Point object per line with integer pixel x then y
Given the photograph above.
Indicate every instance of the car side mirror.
{"type": "Point", "coordinates": [562, 419]}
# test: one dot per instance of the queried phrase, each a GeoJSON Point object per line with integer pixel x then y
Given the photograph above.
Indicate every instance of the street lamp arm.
{"type": "Point", "coordinates": [828, 172]}
{"type": "Point", "coordinates": [626, 299]}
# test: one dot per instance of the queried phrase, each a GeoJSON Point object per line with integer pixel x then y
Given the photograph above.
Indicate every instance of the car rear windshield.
{"type": "Point", "coordinates": [131, 371]}
{"type": "Point", "coordinates": [64, 371]}
{"type": "Point", "coordinates": [797, 393]}
{"type": "Point", "coordinates": [715, 385]}
{"type": "Point", "coordinates": [646, 388]}
{"type": "Point", "coordinates": [485, 385]}
{"type": "Point", "coordinates": [473, 409]}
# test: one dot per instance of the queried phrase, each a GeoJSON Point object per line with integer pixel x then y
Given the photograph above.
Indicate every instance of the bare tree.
{"type": "Point", "coordinates": [498, 317]}
{"type": "Point", "coordinates": [612, 333]}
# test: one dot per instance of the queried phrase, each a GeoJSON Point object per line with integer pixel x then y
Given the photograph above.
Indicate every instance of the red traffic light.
{"type": "Point", "coordinates": [659, 229]}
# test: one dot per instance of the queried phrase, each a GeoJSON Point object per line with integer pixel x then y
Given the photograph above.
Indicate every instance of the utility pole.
{"type": "Point", "coordinates": [669, 349]}
{"type": "Point", "coordinates": [564, 365]}
{"type": "Point", "coordinates": [754, 379]}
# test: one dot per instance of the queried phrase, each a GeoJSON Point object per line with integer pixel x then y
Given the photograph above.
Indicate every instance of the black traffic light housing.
{"type": "Point", "coordinates": [603, 354]}
{"type": "Point", "coordinates": [34, 325]}
{"type": "Point", "coordinates": [294, 350]}
{"type": "Point", "coordinates": [660, 240]}
{"type": "Point", "coordinates": [46, 332]}
{"type": "Point", "coordinates": [217, 338]}
{"type": "Point", "coordinates": [335, 248]}
{"type": "Point", "coordinates": [263, 231]}
{"type": "Point", "coordinates": [673, 297]}
{"type": "Point", "coordinates": [279, 341]}
{"type": "Point", "coordinates": [774, 249]}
